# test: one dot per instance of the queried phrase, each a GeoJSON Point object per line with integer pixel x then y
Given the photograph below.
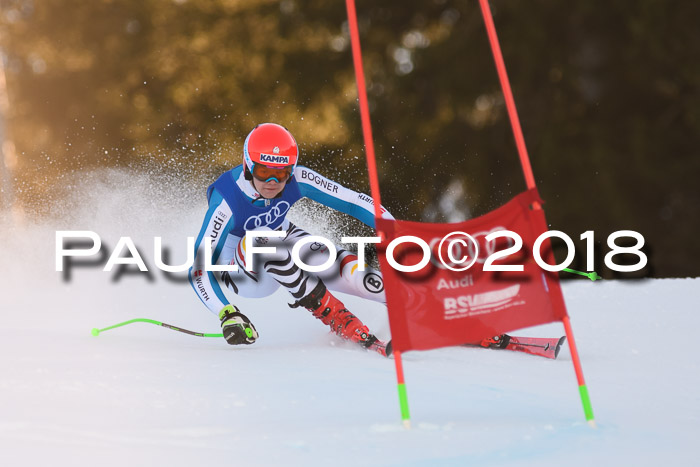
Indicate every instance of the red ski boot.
{"type": "Point", "coordinates": [331, 311]}
{"type": "Point", "coordinates": [496, 342]}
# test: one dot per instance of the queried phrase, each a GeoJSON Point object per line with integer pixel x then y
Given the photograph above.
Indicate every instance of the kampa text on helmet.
{"type": "Point", "coordinates": [274, 159]}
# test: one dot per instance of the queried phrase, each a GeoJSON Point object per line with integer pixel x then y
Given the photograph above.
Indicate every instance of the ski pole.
{"type": "Point", "coordinates": [545, 346]}
{"type": "Point", "coordinates": [96, 332]}
{"type": "Point", "coordinates": [591, 275]}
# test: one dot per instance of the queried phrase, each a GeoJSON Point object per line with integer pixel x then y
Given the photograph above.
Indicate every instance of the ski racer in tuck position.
{"type": "Point", "coordinates": [257, 195]}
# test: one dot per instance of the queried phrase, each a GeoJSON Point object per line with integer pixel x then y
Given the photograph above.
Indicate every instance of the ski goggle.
{"type": "Point", "coordinates": [266, 174]}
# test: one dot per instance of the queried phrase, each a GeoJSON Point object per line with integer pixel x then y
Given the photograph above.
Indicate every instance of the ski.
{"type": "Point", "coordinates": [541, 346]}
{"type": "Point", "coordinates": [382, 348]}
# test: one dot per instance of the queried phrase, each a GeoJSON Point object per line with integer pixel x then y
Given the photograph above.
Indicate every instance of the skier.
{"type": "Point", "coordinates": [257, 195]}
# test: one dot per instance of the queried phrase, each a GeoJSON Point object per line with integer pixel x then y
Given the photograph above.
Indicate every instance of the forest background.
{"type": "Point", "coordinates": [607, 95]}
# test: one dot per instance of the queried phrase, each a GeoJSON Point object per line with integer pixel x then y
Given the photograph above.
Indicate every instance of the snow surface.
{"type": "Point", "coordinates": [146, 395]}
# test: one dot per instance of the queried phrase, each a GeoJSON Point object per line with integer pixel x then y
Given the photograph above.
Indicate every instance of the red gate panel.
{"type": "Point", "coordinates": [437, 307]}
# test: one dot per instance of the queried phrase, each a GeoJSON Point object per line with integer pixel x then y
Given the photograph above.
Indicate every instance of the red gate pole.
{"type": "Point", "coordinates": [373, 178]}
{"type": "Point", "coordinates": [507, 94]}
{"type": "Point", "coordinates": [530, 180]}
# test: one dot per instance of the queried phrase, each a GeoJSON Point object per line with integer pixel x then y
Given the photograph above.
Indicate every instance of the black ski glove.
{"type": "Point", "coordinates": [236, 327]}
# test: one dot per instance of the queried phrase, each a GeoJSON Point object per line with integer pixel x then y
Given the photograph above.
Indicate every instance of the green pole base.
{"type": "Point", "coordinates": [403, 402]}
{"type": "Point", "coordinates": [587, 407]}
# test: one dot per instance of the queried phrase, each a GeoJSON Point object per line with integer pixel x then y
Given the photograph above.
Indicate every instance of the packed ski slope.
{"type": "Point", "coordinates": [146, 395]}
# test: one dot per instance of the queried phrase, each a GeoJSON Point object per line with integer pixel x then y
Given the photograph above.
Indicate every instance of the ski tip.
{"type": "Point", "coordinates": [95, 332]}
{"type": "Point", "coordinates": [388, 349]}
{"type": "Point", "coordinates": [562, 339]}
{"type": "Point", "coordinates": [374, 344]}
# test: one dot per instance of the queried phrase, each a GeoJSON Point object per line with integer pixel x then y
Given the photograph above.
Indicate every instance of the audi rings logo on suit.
{"type": "Point", "coordinates": [265, 219]}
